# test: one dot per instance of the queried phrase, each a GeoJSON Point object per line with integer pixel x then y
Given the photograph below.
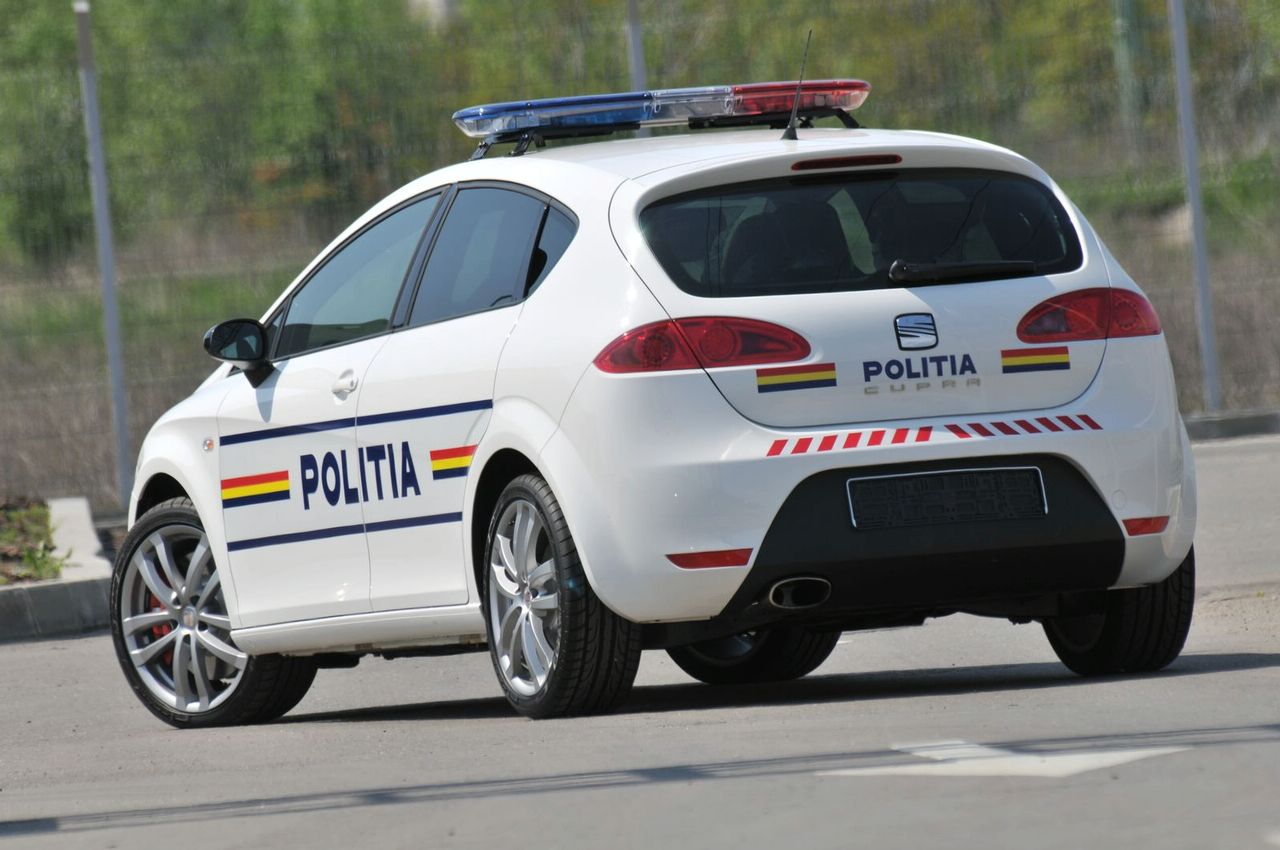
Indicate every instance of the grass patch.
{"type": "Point", "coordinates": [26, 542]}
{"type": "Point", "coordinates": [175, 310]}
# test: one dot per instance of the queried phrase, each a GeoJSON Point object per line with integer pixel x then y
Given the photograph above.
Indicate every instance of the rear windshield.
{"type": "Point", "coordinates": [842, 232]}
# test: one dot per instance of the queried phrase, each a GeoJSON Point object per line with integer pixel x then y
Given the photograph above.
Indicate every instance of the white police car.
{"type": "Point", "coordinates": [721, 393]}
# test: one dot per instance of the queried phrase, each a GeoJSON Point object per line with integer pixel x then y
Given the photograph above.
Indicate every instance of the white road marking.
{"type": "Point", "coordinates": [1273, 839]}
{"type": "Point", "coordinates": [961, 758]}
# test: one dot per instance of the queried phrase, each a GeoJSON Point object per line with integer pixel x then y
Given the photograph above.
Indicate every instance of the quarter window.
{"type": "Point", "coordinates": [557, 232]}
{"type": "Point", "coordinates": [481, 257]}
{"type": "Point", "coordinates": [353, 294]}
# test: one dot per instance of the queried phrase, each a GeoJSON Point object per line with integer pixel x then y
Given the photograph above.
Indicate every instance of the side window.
{"type": "Point", "coordinates": [354, 292]}
{"type": "Point", "coordinates": [481, 255]}
{"type": "Point", "coordinates": [557, 233]}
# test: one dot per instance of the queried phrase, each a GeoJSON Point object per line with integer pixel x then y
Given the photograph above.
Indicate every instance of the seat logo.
{"type": "Point", "coordinates": [916, 331]}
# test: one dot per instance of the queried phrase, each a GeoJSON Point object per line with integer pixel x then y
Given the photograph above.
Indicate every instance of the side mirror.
{"type": "Point", "coordinates": [240, 342]}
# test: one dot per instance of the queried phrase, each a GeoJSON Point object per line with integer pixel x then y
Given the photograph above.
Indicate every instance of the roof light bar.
{"type": "Point", "coordinates": [762, 98]}
{"type": "Point", "coordinates": [699, 106]}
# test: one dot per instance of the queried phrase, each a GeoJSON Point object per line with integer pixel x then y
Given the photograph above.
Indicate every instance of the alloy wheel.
{"type": "Point", "coordinates": [524, 598]}
{"type": "Point", "coordinates": [174, 623]}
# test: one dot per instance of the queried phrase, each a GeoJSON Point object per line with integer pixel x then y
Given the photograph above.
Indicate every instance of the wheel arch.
{"type": "Point", "coordinates": [170, 466]}
{"type": "Point", "coordinates": [160, 487]}
{"type": "Point", "coordinates": [499, 470]}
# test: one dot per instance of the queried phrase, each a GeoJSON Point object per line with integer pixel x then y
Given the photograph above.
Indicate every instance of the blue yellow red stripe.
{"type": "Point", "coordinates": [255, 489]}
{"type": "Point", "coordinates": [1045, 359]}
{"type": "Point", "coordinates": [451, 463]}
{"type": "Point", "coordinates": [806, 377]}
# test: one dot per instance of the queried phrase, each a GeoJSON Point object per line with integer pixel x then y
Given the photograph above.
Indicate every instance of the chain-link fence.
{"type": "Point", "coordinates": [241, 137]}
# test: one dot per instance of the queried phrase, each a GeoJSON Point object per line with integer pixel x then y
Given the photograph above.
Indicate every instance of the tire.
{"type": "Point", "coordinates": [1139, 630]}
{"type": "Point", "coordinates": [172, 634]}
{"type": "Point", "coordinates": [556, 649]}
{"type": "Point", "coordinates": [765, 655]}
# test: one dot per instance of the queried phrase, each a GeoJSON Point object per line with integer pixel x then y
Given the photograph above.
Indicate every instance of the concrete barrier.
{"type": "Point", "coordinates": [72, 604]}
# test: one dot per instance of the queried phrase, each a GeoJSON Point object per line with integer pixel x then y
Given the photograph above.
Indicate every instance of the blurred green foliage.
{"type": "Point", "coordinates": [259, 112]}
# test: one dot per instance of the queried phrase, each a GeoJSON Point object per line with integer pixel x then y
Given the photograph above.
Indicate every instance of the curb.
{"type": "Point", "coordinates": [1224, 426]}
{"type": "Point", "coordinates": [73, 604]}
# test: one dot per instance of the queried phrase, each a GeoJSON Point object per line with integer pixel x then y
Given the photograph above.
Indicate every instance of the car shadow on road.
{"type": "Point", "coordinates": [842, 687]}
{"type": "Point", "coordinates": [937, 681]}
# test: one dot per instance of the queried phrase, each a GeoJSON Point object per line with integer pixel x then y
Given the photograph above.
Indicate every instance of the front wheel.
{"type": "Point", "coordinates": [1138, 630]}
{"type": "Point", "coordinates": [764, 655]}
{"type": "Point", "coordinates": [556, 648]}
{"type": "Point", "coordinates": [172, 633]}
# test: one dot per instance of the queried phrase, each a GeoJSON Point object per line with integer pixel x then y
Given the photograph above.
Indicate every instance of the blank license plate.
{"type": "Point", "coordinates": [948, 496]}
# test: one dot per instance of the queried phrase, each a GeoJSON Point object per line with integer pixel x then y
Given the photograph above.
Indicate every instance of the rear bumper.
{"type": "Point", "coordinates": [1076, 545]}
{"type": "Point", "coordinates": [648, 466]}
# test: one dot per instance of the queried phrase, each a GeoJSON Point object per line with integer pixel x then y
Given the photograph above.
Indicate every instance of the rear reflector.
{"type": "Point", "coordinates": [1146, 525]}
{"type": "Point", "coordinates": [847, 161]}
{"type": "Point", "coordinates": [708, 342]}
{"type": "Point", "coordinates": [703, 560]}
{"type": "Point", "coordinates": [1098, 313]}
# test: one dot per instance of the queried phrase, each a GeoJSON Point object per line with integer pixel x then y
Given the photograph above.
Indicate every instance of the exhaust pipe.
{"type": "Point", "coordinates": [797, 594]}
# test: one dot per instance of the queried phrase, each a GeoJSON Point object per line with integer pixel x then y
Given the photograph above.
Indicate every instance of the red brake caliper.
{"type": "Point", "coordinates": [160, 630]}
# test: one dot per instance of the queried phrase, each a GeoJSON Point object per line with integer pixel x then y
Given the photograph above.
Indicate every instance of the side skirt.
{"type": "Point", "coordinates": [456, 625]}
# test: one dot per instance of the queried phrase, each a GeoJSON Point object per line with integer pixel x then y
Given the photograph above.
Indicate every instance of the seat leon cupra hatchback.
{"type": "Point", "coordinates": [726, 392]}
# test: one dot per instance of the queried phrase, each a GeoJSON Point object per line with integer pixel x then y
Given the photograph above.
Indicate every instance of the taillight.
{"type": "Point", "coordinates": [1132, 315]}
{"type": "Point", "coordinates": [708, 342]}
{"type": "Point", "coordinates": [657, 347]}
{"type": "Point", "coordinates": [1101, 313]}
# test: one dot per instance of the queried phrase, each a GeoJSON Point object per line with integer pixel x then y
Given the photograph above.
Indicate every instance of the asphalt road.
{"type": "Point", "coordinates": [962, 733]}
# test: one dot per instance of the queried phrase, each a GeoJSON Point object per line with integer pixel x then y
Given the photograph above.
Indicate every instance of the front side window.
{"type": "Point", "coordinates": [353, 294]}
{"type": "Point", "coordinates": [481, 256]}
{"type": "Point", "coordinates": [844, 232]}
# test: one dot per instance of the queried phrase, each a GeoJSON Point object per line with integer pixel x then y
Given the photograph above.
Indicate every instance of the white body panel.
{"type": "Point", "coordinates": [305, 555]}
{"type": "Point", "coordinates": [645, 466]}
{"type": "Point", "coordinates": [430, 390]}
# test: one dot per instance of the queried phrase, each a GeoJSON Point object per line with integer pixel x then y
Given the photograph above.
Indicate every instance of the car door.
{"type": "Point", "coordinates": [429, 392]}
{"type": "Point", "coordinates": [293, 477]}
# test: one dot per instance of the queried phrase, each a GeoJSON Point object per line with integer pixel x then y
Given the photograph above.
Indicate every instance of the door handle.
{"type": "Point", "coordinates": [346, 383]}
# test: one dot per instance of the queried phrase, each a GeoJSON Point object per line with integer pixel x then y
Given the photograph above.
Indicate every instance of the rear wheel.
{"type": "Point", "coordinates": [172, 634]}
{"type": "Point", "coordinates": [763, 655]}
{"type": "Point", "coordinates": [556, 648]}
{"type": "Point", "coordinates": [1138, 630]}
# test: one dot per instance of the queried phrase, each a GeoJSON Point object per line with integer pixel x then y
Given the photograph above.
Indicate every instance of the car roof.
{"type": "Point", "coordinates": [628, 159]}
{"type": "Point", "coordinates": [582, 174]}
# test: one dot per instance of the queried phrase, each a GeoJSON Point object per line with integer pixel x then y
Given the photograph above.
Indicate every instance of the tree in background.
{"type": "Point", "coordinates": [44, 201]}
{"type": "Point", "coordinates": [283, 118]}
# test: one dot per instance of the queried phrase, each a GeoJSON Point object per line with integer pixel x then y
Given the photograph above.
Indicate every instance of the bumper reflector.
{"type": "Point", "coordinates": [703, 560]}
{"type": "Point", "coordinates": [1146, 525]}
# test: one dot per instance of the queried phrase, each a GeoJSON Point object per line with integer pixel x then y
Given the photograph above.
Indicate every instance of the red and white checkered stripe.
{"type": "Point", "coordinates": [953, 431]}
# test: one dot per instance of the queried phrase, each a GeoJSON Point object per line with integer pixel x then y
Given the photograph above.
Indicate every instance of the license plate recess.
{"type": "Point", "coordinates": [946, 496]}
